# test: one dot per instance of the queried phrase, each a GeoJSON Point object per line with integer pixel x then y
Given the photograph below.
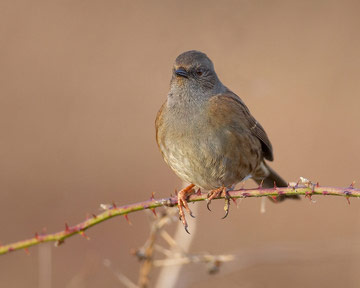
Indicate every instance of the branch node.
{"type": "Point", "coordinates": [139, 254]}
{"type": "Point", "coordinates": [59, 242]}
{"type": "Point", "coordinates": [214, 266]}
{"type": "Point", "coordinates": [245, 194]}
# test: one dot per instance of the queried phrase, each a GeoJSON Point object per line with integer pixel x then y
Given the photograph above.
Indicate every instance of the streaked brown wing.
{"type": "Point", "coordinates": [235, 103]}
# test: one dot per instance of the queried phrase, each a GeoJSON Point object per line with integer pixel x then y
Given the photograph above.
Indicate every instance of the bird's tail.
{"type": "Point", "coordinates": [268, 177]}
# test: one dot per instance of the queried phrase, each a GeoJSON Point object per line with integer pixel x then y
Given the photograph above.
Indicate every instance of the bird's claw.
{"type": "Point", "coordinates": [208, 204]}
{"type": "Point", "coordinates": [186, 229]}
{"type": "Point", "coordinates": [212, 195]}
{"type": "Point", "coordinates": [182, 203]}
{"type": "Point", "coordinates": [217, 193]}
{"type": "Point", "coordinates": [227, 205]}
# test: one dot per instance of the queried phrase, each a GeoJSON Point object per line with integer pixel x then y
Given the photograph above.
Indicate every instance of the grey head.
{"type": "Point", "coordinates": [194, 78]}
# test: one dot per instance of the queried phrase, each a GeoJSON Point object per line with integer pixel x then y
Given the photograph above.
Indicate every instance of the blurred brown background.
{"type": "Point", "coordinates": [80, 85]}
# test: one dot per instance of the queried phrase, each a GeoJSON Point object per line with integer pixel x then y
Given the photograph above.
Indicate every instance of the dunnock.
{"type": "Point", "coordinates": [207, 135]}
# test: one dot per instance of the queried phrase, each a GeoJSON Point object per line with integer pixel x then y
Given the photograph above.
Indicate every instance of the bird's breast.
{"type": "Point", "coordinates": [209, 157]}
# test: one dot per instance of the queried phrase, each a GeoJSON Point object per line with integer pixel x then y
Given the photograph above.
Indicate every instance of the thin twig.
{"type": "Point", "coordinates": [205, 258]}
{"type": "Point", "coordinates": [112, 210]}
{"type": "Point", "coordinates": [147, 251]}
{"type": "Point", "coordinates": [121, 277]}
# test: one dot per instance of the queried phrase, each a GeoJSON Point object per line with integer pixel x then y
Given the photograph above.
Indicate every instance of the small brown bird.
{"type": "Point", "coordinates": [207, 135]}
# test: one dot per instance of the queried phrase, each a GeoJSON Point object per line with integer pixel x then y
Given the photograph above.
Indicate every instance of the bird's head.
{"type": "Point", "coordinates": [194, 72]}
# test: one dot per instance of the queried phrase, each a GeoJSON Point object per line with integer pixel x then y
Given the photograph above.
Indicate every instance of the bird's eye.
{"type": "Point", "coordinates": [199, 72]}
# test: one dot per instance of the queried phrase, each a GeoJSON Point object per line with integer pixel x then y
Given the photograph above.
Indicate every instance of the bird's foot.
{"type": "Point", "coordinates": [217, 193]}
{"type": "Point", "coordinates": [182, 203]}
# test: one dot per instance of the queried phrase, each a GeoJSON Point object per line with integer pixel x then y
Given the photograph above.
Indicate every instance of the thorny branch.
{"type": "Point", "coordinates": [307, 189]}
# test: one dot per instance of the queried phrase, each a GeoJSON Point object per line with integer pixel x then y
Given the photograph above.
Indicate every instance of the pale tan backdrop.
{"type": "Point", "coordinates": [80, 86]}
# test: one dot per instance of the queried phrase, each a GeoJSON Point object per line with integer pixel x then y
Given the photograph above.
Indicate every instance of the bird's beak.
{"type": "Point", "coordinates": [182, 72]}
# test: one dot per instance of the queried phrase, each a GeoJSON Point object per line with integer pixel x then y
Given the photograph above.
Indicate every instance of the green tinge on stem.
{"type": "Point", "coordinates": [113, 211]}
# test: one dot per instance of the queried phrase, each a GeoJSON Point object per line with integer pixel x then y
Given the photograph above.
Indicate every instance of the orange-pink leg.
{"type": "Point", "coordinates": [222, 191]}
{"type": "Point", "coordinates": [182, 203]}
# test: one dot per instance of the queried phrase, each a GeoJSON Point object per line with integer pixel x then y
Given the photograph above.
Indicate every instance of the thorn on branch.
{"type": "Point", "coordinates": [198, 192]}
{"type": "Point", "coordinates": [261, 184]}
{"type": "Point", "coordinates": [348, 194]}
{"type": "Point", "coordinates": [348, 199]}
{"type": "Point", "coordinates": [154, 212]}
{"type": "Point", "coordinates": [82, 233]}
{"type": "Point", "coordinates": [234, 200]}
{"type": "Point", "coordinates": [127, 219]}
{"type": "Point", "coordinates": [352, 185]}
{"type": "Point", "coordinates": [308, 195]}
{"type": "Point", "coordinates": [303, 186]}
